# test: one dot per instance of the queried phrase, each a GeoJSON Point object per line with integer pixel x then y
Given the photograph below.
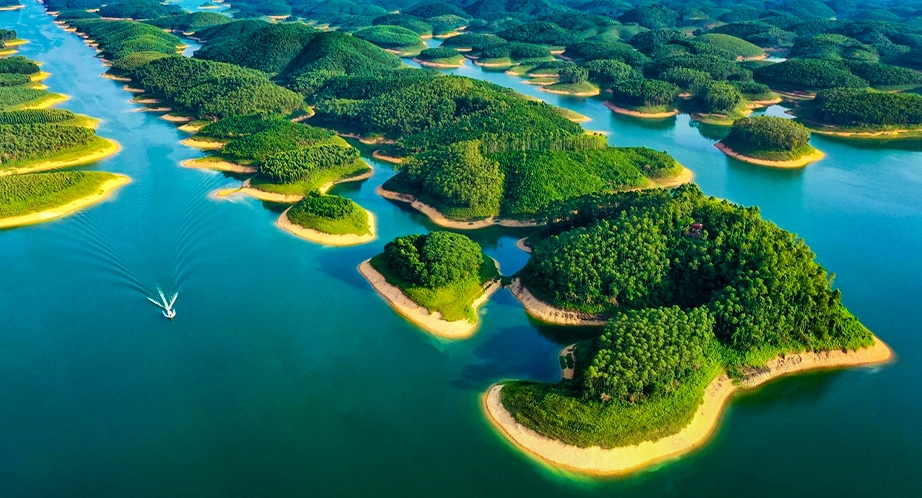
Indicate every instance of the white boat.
{"type": "Point", "coordinates": [165, 305]}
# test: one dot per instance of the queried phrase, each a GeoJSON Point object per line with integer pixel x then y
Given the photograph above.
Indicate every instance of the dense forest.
{"type": "Point", "coordinates": [688, 282]}
{"type": "Point", "coordinates": [769, 137]}
{"type": "Point", "coordinates": [330, 214]}
{"type": "Point", "coordinates": [442, 271]}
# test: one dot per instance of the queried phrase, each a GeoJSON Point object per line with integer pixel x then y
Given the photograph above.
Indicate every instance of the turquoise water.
{"type": "Point", "coordinates": [285, 375]}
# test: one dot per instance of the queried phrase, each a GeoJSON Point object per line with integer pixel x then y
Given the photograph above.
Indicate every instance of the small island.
{"type": "Point", "coordinates": [770, 141]}
{"type": "Point", "coordinates": [680, 336]}
{"type": "Point", "coordinates": [863, 114]}
{"type": "Point", "coordinates": [39, 197]}
{"type": "Point", "coordinates": [439, 58]}
{"type": "Point", "coordinates": [329, 220]}
{"type": "Point", "coordinates": [437, 281]}
{"type": "Point", "coordinates": [395, 39]}
{"type": "Point", "coordinates": [645, 98]}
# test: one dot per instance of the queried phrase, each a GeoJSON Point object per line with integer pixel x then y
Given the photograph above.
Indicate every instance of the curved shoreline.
{"type": "Point", "coordinates": [263, 195]}
{"type": "Point", "coordinates": [794, 163]}
{"type": "Point", "coordinates": [110, 148]}
{"type": "Point", "coordinates": [328, 239]}
{"type": "Point", "coordinates": [439, 219]}
{"type": "Point", "coordinates": [882, 134]}
{"type": "Point", "coordinates": [571, 94]}
{"type": "Point", "coordinates": [543, 311]}
{"type": "Point", "coordinates": [437, 65]}
{"type": "Point", "coordinates": [638, 114]}
{"type": "Point", "coordinates": [202, 144]}
{"type": "Point", "coordinates": [623, 460]}
{"type": "Point", "coordinates": [105, 190]}
{"type": "Point", "coordinates": [200, 163]}
{"type": "Point", "coordinates": [383, 157]}
{"type": "Point", "coordinates": [686, 176]}
{"type": "Point", "coordinates": [420, 315]}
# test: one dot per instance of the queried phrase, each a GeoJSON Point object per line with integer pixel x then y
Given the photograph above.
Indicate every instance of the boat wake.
{"type": "Point", "coordinates": [165, 305]}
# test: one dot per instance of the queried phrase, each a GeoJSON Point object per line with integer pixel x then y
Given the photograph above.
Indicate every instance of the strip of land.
{"type": "Point", "coordinates": [638, 114]}
{"type": "Point", "coordinates": [105, 190]}
{"type": "Point", "coordinates": [419, 315]}
{"type": "Point", "coordinates": [328, 239]}
{"type": "Point", "coordinates": [218, 165]}
{"type": "Point", "coordinates": [440, 219]}
{"type": "Point", "coordinates": [550, 314]}
{"type": "Point", "coordinates": [794, 163]}
{"type": "Point", "coordinates": [108, 148]}
{"type": "Point", "coordinates": [619, 461]}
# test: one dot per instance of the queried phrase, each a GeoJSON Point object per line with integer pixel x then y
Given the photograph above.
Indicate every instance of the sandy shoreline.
{"type": "Point", "coordinates": [795, 163]}
{"type": "Point", "coordinates": [419, 315]}
{"type": "Point", "coordinates": [263, 195]}
{"type": "Point", "coordinates": [686, 176]}
{"type": "Point", "coordinates": [619, 461]}
{"type": "Point", "coordinates": [577, 94]}
{"type": "Point", "coordinates": [885, 134]}
{"type": "Point", "coordinates": [111, 147]}
{"type": "Point", "coordinates": [439, 219]}
{"type": "Point", "coordinates": [201, 163]}
{"type": "Point", "coordinates": [549, 314]}
{"type": "Point", "coordinates": [105, 190]}
{"type": "Point", "coordinates": [328, 239]}
{"type": "Point", "coordinates": [436, 65]}
{"type": "Point", "coordinates": [637, 114]}
{"type": "Point", "coordinates": [388, 159]}
{"type": "Point", "coordinates": [202, 144]}
{"type": "Point", "coordinates": [522, 245]}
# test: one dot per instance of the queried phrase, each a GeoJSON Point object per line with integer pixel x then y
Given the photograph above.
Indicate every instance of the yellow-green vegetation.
{"type": "Point", "coordinates": [440, 57]}
{"type": "Point", "coordinates": [26, 194]}
{"type": "Point", "coordinates": [769, 138]}
{"type": "Point", "coordinates": [675, 322]}
{"type": "Point", "coordinates": [21, 145]}
{"type": "Point", "coordinates": [330, 214]}
{"type": "Point", "coordinates": [442, 271]}
{"type": "Point", "coordinates": [18, 98]}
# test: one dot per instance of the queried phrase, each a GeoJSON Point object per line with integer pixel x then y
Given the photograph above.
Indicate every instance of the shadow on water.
{"type": "Point", "coordinates": [509, 352]}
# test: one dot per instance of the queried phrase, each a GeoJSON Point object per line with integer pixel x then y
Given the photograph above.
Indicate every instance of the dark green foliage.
{"type": "Point", "coordinates": [884, 75]}
{"type": "Point", "coordinates": [718, 67]}
{"type": "Point", "coordinates": [653, 17]}
{"type": "Point", "coordinates": [296, 165]}
{"type": "Point", "coordinates": [269, 49]}
{"type": "Point", "coordinates": [395, 37]}
{"type": "Point", "coordinates": [139, 9]}
{"type": "Point", "coordinates": [329, 214]}
{"type": "Point", "coordinates": [519, 9]}
{"type": "Point", "coordinates": [808, 8]}
{"type": "Point", "coordinates": [737, 46]}
{"type": "Point", "coordinates": [233, 29]}
{"type": "Point", "coordinates": [408, 22]}
{"type": "Point", "coordinates": [739, 15]}
{"type": "Point", "coordinates": [33, 141]}
{"type": "Point", "coordinates": [645, 93]}
{"type": "Point", "coordinates": [687, 79]}
{"type": "Point", "coordinates": [242, 126]}
{"type": "Point", "coordinates": [807, 74]}
{"type": "Point", "coordinates": [14, 79]}
{"type": "Point", "coordinates": [648, 353]}
{"type": "Point", "coordinates": [434, 260]}
{"type": "Point", "coordinates": [433, 54]}
{"type": "Point", "coordinates": [62, 5]}
{"type": "Point", "coordinates": [758, 33]}
{"type": "Point", "coordinates": [426, 10]}
{"type": "Point", "coordinates": [463, 182]}
{"type": "Point", "coordinates": [190, 22]}
{"type": "Point", "coordinates": [76, 14]}
{"type": "Point", "coordinates": [263, 8]}
{"type": "Point", "coordinates": [35, 116]}
{"type": "Point", "coordinates": [336, 54]}
{"type": "Point", "coordinates": [473, 41]}
{"type": "Point", "coordinates": [594, 50]}
{"type": "Point", "coordinates": [573, 75]}
{"type": "Point", "coordinates": [647, 39]}
{"type": "Point", "coordinates": [118, 39]}
{"type": "Point", "coordinates": [276, 139]}
{"type": "Point", "coordinates": [580, 22]}
{"type": "Point", "coordinates": [214, 89]}
{"type": "Point", "coordinates": [718, 97]}
{"type": "Point", "coordinates": [832, 47]}
{"type": "Point", "coordinates": [517, 51]}
{"type": "Point", "coordinates": [8, 34]}
{"type": "Point", "coordinates": [761, 283]}
{"type": "Point", "coordinates": [133, 61]}
{"type": "Point", "coordinates": [752, 90]}
{"type": "Point", "coordinates": [443, 25]}
{"type": "Point", "coordinates": [855, 107]}
{"type": "Point", "coordinates": [18, 64]}
{"type": "Point", "coordinates": [767, 134]}
{"type": "Point", "coordinates": [543, 32]}
{"type": "Point", "coordinates": [609, 71]}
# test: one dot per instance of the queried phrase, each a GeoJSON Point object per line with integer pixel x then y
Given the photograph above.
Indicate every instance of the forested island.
{"type": "Point", "coordinates": [700, 297]}
{"type": "Point", "coordinates": [436, 280]}
{"type": "Point", "coordinates": [35, 138]}
{"type": "Point", "coordinates": [770, 141]}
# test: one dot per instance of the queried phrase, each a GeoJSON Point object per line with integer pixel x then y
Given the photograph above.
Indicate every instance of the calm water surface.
{"type": "Point", "coordinates": [285, 375]}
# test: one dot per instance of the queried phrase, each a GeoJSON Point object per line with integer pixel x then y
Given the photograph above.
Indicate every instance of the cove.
{"type": "Point", "coordinates": [284, 374]}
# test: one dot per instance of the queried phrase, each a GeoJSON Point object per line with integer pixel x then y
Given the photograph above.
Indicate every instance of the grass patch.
{"type": "Point", "coordinates": [583, 88]}
{"type": "Point", "coordinates": [26, 194]}
{"type": "Point", "coordinates": [454, 301]}
{"type": "Point", "coordinates": [70, 154]}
